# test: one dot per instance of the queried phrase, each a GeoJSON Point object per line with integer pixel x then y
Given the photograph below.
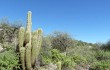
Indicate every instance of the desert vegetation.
{"type": "Point", "coordinates": [22, 49]}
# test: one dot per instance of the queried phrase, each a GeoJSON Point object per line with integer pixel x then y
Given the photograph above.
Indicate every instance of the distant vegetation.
{"type": "Point", "coordinates": [59, 52]}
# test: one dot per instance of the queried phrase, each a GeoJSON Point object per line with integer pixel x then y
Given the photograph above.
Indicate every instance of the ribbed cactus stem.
{"type": "Point", "coordinates": [59, 65]}
{"type": "Point", "coordinates": [36, 45]}
{"type": "Point", "coordinates": [22, 57]}
{"type": "Point", "coordinates": [28, 28]}
{"type": "Point", "coordinates": [28, 42]}
{"type": "Point", "coordinates": [28, 56]}
{"type": "Point", "coordinates": [29, 21]}
{"type": "Point", "coordinates": [40, 36]}
{"type": "Point", "coordinates": [39, 39]}
{"type": "Point", "coordinates": [21, 37]}
{"type": "Point", "coordinates": [27, 37]}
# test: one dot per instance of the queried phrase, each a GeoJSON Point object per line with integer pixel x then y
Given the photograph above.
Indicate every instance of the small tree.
{"type": "Point", "coordinates": [61, 41]}
{"type": "Point", "coordinates": [106, 46]}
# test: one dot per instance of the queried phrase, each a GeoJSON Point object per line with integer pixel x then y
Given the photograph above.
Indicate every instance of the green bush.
{"type": "Point", "coordinates": [100, 65]}
{"type": "Point", "coordinates": [68, 62]}
{"type": "Point", "coordinates": [79, 59]}
{"type": "Point", "coordinates": [46, 60]}
{"type": "Point", "coordinates": [9, 31]}
{"type": "Point", "coordinates": [102, 55]}
{"type": "Point", "coordinates": [9, 60]}
{"type": "Point", "coordinates": [102, 61]}
{"type": "Point", "coordinates": [52, 56]}
{"type": "Point", "coordinates": [8, 46]}
{"type": "Point", "coordinates": [56, 56]}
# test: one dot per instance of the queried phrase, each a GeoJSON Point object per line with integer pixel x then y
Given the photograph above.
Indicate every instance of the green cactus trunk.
{"type": "Point", "coordinates": [22, 55]}
{"type": "Point", "coordinates": [29, 49]}
{"type": "Point", "coordinates": [36, 45]}
{"type": "Point", "coordinates": [21, 37]}
{"type": "Point", "coordinates": [59, 65]}
{"type": "Point", "coordinates": [28, 42]}
{"type": "Point", "coordinates": [28, 56]}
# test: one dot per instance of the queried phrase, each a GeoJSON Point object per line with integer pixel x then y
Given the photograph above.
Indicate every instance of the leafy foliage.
{"type": "Point", "coordinates": [56, 56]}
{"type": "Point", "coordinates": [101, 65]}
{"type": "Point", "coordinates": [103, 60]}
{"type": "Point", "coordinates": [9, 60]}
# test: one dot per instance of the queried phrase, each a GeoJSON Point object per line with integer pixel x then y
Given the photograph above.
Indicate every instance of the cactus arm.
{"type": "Point", "coordinates": [21, 37]}
{"type": "Point", "coordinates": [28, 56]}
{"type": "Point", "coordinates": [22, 57]}
{"type": "Point", "coordinates": [36, 45]}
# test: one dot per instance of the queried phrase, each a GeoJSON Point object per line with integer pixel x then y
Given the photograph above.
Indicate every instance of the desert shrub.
{"type": "Point", "coordinates": [45, 51]}
{"type": "Point", "coordinates": [102, 55]}
{"type": "Point", "coordinates": [46, 60]}
{"type": "Point", "coordinates": [7, 46]}
{"type": "Point", "coordinates": [8, 31]}
{"type": "Point", "coordinates": [79, 59]}
{"type": "Point", "coordinates": [102, 61]}
{"type": "Point", "coordinates": [55, 56]}
{"type": "Point", "coordinates": [52, 56]}
{"type": "Point", "coordinates": [46, 57]}
{"type": "Point", "coordinates": [9, 60]}
{"type": "Point", "coordinates": [61, 41]}
{"type": "Point", "coordinates": [84, 52]}
{"type": "Point", "coordinates": [46, 43]}
{"type": "Point", "coordinates": [68, 62]}
{"type": "Point", "coordinates": [100, 65]}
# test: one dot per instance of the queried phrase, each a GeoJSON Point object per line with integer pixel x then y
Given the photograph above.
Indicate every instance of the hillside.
{"type": "Point", "coordinates": [22, 49]}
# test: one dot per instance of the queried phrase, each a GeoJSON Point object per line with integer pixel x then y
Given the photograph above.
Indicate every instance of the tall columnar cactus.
{"type": "Point", "coordinates": [29, 44]}
{"type": "Point", "coordinates": [28, 41]}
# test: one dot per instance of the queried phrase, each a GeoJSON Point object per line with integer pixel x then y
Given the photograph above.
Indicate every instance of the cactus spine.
{"type": "Point", "coordinates": [29, 44]}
